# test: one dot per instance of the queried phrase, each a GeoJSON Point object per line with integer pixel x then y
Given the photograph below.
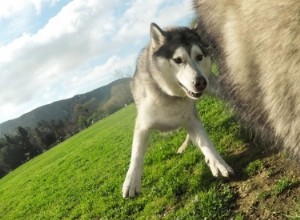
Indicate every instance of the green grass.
{"type": "Point", "coordinates": [282, 185]}
{"type": "Point", "coordinates": [82, 177]}
{"type": "Point", "coordinates": [253, 167]}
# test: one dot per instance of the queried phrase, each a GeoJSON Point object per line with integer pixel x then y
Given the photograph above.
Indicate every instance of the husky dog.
{"type": "Point", "coordinates": [171, 74]}
{"type": "Point", "coordinates": [258, 45]}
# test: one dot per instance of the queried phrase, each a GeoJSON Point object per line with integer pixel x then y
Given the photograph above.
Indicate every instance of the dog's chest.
{"type": "Point", "coordinates": [167, 116]}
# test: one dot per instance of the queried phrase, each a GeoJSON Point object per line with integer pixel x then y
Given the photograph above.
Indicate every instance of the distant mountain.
{"type": "Point", "coordinates": [92, 105]}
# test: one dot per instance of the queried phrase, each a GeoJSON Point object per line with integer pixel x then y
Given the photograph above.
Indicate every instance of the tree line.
{"type": "Point", "coordinates": [27, 143]}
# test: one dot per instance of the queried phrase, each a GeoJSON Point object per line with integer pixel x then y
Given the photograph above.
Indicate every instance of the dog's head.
{"type": "Point", "coordinates": [180, 56]}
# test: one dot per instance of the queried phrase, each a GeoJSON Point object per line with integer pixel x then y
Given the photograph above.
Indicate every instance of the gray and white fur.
{"type": "Point", "coordinates": [172, 72]}
{"type": "Point", "coordinates": [257, 44]}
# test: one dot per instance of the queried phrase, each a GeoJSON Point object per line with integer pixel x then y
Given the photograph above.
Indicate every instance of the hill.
{"type": "Point", "coordinates": [95, 104]}
{"type": "Point", "coordinates": [82, 177]}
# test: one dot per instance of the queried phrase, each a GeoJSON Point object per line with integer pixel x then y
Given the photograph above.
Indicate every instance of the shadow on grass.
{"type": "Point", "coordinates": [254, 149]}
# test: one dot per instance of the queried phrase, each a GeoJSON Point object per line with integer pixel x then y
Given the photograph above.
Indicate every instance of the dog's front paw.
{"type": "Point", "coordinates": [131, 185]}
{"type": "Point", "coordinates": [219, 167]}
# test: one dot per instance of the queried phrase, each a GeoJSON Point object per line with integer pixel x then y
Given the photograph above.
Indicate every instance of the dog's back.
{"type": "Point", "coordinates": [258, 44]}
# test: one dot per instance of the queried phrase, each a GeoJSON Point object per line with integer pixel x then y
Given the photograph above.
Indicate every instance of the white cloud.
{"type": "Point", "coordinates": [34, 59]}
{"type": "Point", "coordinates": [136, 20]}
{"type": "Point", "coordinates": [173, 14]}
{"type": "Point", "coordinates": [91, 78]}
{"type": "Point", "coordinates": [77, 50]}
{"type": "Point", "coordinates": [14, 7]}
{"type": "Point", "coordinates": [8, 111]}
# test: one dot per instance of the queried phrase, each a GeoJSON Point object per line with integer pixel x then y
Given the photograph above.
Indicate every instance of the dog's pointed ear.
{"type": "Point", "coordinates": [157, 35]}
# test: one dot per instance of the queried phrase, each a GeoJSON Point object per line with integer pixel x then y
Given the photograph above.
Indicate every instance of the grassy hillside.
{"type": "Point", "coordinates": [101, 101]}
{"type": "Point", "coordinates": [82, 177]}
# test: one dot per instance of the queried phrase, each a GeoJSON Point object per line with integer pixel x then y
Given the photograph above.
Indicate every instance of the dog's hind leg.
{"type": "Point", "coordinates": [132, 183]}
{"type": "Point", "coordinates": [184, 145]}
{"type": "Point", "coordinates": [213, 86]}
{"type": "Point", "coordinates": [213, 159]}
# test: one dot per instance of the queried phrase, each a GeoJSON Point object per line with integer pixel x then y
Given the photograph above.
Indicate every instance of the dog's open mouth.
{"type": "Point", "coordinates": [193, 95]}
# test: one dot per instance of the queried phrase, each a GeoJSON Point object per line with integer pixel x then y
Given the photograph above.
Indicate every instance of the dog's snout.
{"type": "Point", "coordinates": [200, 83]}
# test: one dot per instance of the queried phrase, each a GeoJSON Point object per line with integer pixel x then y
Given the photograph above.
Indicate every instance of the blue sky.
{"type": "Point", "coordinates": [54, 49]}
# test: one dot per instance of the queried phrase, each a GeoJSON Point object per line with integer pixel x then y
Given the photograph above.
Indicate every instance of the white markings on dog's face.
{"type": "Point", "coordinates": [203, 63]}
{"type": "Point", "coordinates": [192, 70]}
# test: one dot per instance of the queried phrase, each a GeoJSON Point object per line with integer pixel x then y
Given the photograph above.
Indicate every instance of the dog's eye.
{"type": "Point", "coordinates": [199, 57]}
{"type": "Point", "coordinates": [178, 60]}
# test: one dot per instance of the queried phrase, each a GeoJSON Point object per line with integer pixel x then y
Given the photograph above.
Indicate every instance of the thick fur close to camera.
{"type": "Point", "coordinates": [257, 44]}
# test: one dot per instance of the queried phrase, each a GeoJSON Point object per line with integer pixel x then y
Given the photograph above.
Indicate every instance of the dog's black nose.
{"type": "Point", "coordinates": [200, 83]}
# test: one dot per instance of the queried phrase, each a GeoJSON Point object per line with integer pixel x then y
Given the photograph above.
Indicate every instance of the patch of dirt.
{"type": "Point", "coordinates": [273, 192]}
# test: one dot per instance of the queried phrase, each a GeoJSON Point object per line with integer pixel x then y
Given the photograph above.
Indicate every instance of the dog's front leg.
{"type": "Point", "coordinates": [200, 138]}
{"type": "Point", "coordinates": [132, 183]}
